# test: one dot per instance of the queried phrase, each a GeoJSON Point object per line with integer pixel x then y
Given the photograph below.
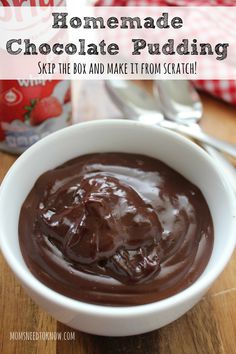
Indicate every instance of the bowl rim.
{"type": "Point", "coordinates": [31, 282]}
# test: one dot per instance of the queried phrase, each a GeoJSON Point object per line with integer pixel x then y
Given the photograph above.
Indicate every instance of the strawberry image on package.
{"type": "Point", "coordinates": [30, 110]}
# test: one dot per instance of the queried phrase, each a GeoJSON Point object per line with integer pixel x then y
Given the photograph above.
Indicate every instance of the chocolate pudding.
{"type": "Point", "coordinates": [115, 229]}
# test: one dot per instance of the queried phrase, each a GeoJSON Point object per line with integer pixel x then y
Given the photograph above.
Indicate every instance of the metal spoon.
{"type": "Point", "coordinates": [135, 103]}
{"type": "Point", "coordinates": [181, 103]}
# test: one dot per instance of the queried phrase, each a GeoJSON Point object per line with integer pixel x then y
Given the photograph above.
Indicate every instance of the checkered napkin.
{"type": "Point", "coordinates": [223, 89]}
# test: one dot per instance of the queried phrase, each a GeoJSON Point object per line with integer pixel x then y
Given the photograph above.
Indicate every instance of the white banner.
{"type": "Point", "coordinates": [79, 42]}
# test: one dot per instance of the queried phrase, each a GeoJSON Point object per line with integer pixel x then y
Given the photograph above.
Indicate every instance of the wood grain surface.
{"type": "Point", "coordinates": [209, 328]}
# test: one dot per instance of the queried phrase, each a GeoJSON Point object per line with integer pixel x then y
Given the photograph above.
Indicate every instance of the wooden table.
{"type": "Point", "coordinates": [209, 328]}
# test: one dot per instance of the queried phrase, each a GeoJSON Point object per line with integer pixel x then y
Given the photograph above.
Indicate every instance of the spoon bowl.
{"type": "Point", "coordinates": [179, 100]}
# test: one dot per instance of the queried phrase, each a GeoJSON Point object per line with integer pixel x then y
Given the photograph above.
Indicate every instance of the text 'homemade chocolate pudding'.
{"type": "Point", "coordinates": [115, 229]}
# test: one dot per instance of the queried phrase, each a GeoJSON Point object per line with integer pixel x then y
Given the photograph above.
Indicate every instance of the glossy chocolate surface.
{"type": "Point", "coordinates": [115, 229]}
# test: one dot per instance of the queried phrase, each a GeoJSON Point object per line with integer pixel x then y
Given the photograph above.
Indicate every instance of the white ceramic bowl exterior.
{"type": "Point", "coordinates": [120, 136]}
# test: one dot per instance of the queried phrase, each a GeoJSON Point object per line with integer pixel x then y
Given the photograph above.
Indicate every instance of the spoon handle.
{"type": "Point", "coordinates": [201, 137]}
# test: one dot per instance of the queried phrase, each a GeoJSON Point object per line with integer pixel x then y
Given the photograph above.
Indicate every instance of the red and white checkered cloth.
{"type": "Point", "coordinates": [223, 89]}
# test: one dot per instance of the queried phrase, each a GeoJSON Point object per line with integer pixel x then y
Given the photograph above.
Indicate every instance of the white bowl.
{"type": "Point", "coordinates": [120, 136]}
